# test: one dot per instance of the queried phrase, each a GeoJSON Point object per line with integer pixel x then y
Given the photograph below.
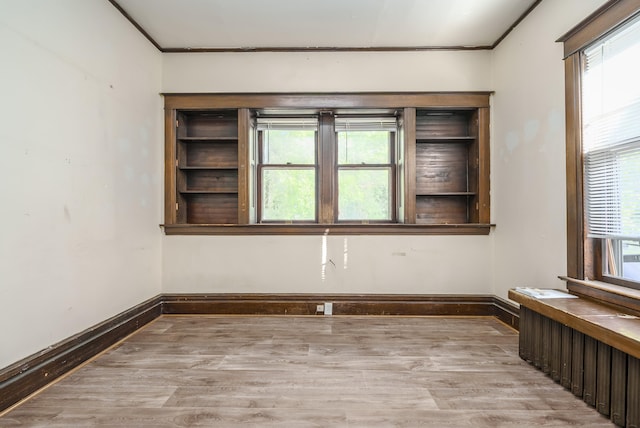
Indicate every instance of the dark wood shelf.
{"type": "Point", "coordinates": [209, 154]}
{"type": "Point", "coordinates": [208, 139]}
{"type": "Point", "coordinates": [438, 194]}
{"type": "Point", "coordinates": [208, 168]}
{"type": "Point", "coordinates": [208, 192]}
{"type": "Point", "coordinates": [323, 229]}
{"type": "Point", "coordinates": [443, 139]}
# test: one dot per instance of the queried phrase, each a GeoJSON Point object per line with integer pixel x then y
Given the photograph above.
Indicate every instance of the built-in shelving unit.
{"type": "Point", "coordinates": [443, 163]}
{"type": "Point", "coordinates": [207, 166]}
{"type": "Point", "coordinates": [446, 157]}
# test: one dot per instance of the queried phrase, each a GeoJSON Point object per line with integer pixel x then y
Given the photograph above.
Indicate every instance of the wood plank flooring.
{"type": "Point", "coordinates": [240, 371]}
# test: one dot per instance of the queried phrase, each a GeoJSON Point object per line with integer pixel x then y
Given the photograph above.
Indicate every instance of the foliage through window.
{"type": "Point", "coordinates": [366, 168]}
{"type": "Point", "coordinates": [287, 169]}
{"type": "Point", "coordinates": [364, 153]}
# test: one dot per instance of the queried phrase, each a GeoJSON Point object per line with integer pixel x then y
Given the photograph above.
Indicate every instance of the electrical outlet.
{"type": "Point", "coordinates": [319, 309]}
{"type": "Point", "coordinates": [328, 308]}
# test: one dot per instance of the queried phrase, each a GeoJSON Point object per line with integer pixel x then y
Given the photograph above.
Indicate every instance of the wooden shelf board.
{"type": "Point", "coordinates": [322, 229]}
{"type": "Point", "coordinates": [208, 139]}
{"type": "Point", "coordinates": [442, 139]}
{"type": "Point", "coordinates": [195, 168]}
{"type": "Point", "coordinates": [446, 194]}
{"type": "Point", "coordinates": [212, 192]}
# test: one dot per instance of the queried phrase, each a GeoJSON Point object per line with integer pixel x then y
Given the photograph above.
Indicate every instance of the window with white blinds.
{"type": "Point", "coordinates": [611, 134]}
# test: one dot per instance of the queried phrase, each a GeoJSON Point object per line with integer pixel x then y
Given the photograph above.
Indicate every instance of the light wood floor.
{"type": "Point", "coordinates": [231, 371]}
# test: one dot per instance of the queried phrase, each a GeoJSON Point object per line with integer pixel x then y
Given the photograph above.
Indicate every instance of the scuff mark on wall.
{"type": "Point", "coordinates": [531, 128]}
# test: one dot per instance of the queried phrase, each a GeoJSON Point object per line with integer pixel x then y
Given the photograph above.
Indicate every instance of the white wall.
{"type": "Point", "coordinates": [335, 264]}
{"type": "Point", "coordinates": [80, 137]}
{"type": "Point", "coordinates": [528, 147]}
{"type": "Point", "coordinates": [327, 71]}
{"type": "Point", "coordinates": [294, 264]}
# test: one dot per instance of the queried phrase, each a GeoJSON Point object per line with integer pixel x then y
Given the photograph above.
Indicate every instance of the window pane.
{"type": "Point", "coordinates": [288, 194]}
{"type": "Point", "coordinates": [623, 259]}
{"type": "Point", "coordinates": [289, 147]}
{"type": "Point", "coordinates": [611, 134]}
{"type": "Point", "coordinates": [368, 147]}
{"type": "Point", "coordinates": [364, 194]}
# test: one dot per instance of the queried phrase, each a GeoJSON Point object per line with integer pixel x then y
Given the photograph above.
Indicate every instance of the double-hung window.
{"type": "Point", "coordinates": [366, 168]}
{"type": "Point", "coordinates": [611, 146]}
{"type": "Point", "coordinates": [603, 147]}
{"type": "Point", "coordinates": [287, 169]}
{"type": "Point", "coordinates": [350, 168]}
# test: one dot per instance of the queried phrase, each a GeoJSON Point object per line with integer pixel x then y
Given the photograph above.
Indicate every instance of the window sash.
{"type": "Point", "coordinates": [267, 209]}
{"type": "Point", "coordinates": [346, 207]}
{"type": "Point", "coordinates": [350, 207]}
{"type": "Point", "coordinates": [611, 134]}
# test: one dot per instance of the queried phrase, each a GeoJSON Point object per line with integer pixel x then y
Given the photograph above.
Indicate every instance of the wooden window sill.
{"type": "Point", "coordinates": [618, 295]}
{"type": "Point", "coordinates": [327, 229]}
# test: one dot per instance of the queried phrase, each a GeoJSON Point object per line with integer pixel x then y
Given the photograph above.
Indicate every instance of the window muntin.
{"type": "Point", "coordinates": [362, 162]}
{"type": "Point", "coordinates": [611, 149]}
{"type": "Point", "coordinates": [287, 169]}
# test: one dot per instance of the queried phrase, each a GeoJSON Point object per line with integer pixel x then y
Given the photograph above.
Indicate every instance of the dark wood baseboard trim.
{"type": "Point", "coordinates": [343, 304]}
{"type": "Point", "coordinates": [506, 312]}
{"type": "Point", "coordinates": [26, 376]}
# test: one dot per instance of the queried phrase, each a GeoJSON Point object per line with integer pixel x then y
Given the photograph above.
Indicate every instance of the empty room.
{"type": "Point", "coordinates": [356, 213]}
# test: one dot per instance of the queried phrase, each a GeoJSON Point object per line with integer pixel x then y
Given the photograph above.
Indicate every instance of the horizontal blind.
{"type": "Point", "coordinates": [611, 134]}
{"type": "Point", "coordinates": [344, 124]}
{"type": "Point", "coordinates": [287, 123]}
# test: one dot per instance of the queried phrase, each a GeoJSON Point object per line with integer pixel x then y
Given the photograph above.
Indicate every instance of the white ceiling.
{"type": "Point", "coordinates": [294, 24]}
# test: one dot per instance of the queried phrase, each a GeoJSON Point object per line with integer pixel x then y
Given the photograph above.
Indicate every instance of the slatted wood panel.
{"type": "Point", "coordinates": [590, 370]}
{"type": "Point", "coordinates": [546, 345]}
{"type": "Point", "coordinates": [603, 382]}
{"type": "Point", "coordinates": [441, 210]}
{"type": "Point", "coordinates": [602, 375]}
{"type": "Point", "coordinates": [431, 123]}
{"type": "Point", "coordinates": [566, 356]}
{"type": "Point", "coordinates": [214, 124]}
{"type": "Point", "coordinates": [212, 208]}
{"type": "Point", "coordinates": [215, 180]}
{"type": "Point", "coordinates": [219, 154]}
{"type": "Point", "coordinates": [577, 364]}
{"type": "Point", "coordinates": [618, 387]}
{"type": "Point", "coordinates": [633, 392]}
{"type": "Point", "coordinates": [537, 341]}
{"type": "Point", "coordinates": [238, 371]}
{"type": "Point", "coordinates": [556, 350]}
{"type": "Point", "coordinates": [525, 333]}
{"type": "Point", "coordinates": [441, 168]}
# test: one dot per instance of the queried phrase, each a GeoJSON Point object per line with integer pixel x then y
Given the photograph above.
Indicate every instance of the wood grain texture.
{"type": "Point", "coordinates": [618, 387]}
{"type": "Point", "coordinates": [327, 100]}
{"type": "Point", "coordinates": [187, 371]}
{"type": "Point", "coordinates": [598, 354]}
{"type": "Point", "coordinates": [219, 208]}
{"type": "Point", "coordinates": [26, 376]}
{"type": "Point", "coordinates": [598, 23]}
{"type": "Point", "coordinates": [575, 197]}
{"type": "Point", "coordinates": [608, 324]}
{"type": "Point", "coordinates": [332, 229]}
{"type": "Point", "coordinates": [409, 130]}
